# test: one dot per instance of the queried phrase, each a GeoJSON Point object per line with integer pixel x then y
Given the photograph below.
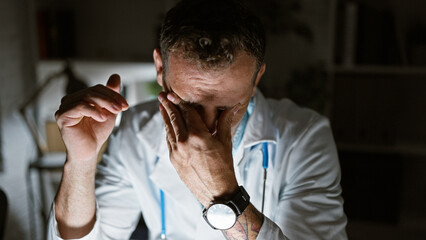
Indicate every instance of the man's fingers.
{"type": "Point", "coordinates": [73, 115]}
{"type": "Point", "coordinates": [107, 99]}
{"type": "Point", "coordinates": [100, 95]}
{"type": "Point", "coordinates": [100, 98]}
{"type": "Point", "coordinates": [171, 138]}
{"type": "Point", "coordinates": [111, 94]}
{"type": "Point", "coordinates": [175, 118]}
{"type": "Point", "coordinates": [114, 82]}
{"type": "Point", "coordinates": [225, 123]}
{"type": "Point", "coordinates": [190, 116]}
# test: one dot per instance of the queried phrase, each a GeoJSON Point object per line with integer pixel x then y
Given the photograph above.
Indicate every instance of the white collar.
{"type": "Point", "coordinates": [260, 127]}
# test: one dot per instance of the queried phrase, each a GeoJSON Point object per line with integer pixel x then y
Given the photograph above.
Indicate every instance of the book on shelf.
{"type": "Point", "coordinates": [366, 35]}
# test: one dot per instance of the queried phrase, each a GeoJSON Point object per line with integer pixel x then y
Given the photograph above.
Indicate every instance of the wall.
{"type": "Point", "coordinates": [16, 80]}
{"type": "Point", "coordinates": [288, 51]}
{"type": "Point", "coordinates": [109, 30]}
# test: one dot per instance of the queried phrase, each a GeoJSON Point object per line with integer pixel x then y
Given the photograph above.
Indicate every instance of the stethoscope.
{"type": "Point", "coordinates": [265, 164]}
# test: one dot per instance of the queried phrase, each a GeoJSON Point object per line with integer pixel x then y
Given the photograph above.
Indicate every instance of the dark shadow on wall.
{"type": "Point", "coordinates": [8, 223]}
{"type": "Point", "coordinates": [3, 212]}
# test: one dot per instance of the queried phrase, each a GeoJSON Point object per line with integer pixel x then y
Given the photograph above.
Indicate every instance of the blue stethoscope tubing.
{"type": "Point", "coordinates": [163, 216]}
{"type": "Point", "coordinates": [265, 164]}
{"type": "Point", "coordinates": [265, 170]}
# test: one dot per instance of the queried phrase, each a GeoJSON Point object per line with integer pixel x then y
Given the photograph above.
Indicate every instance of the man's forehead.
{"type": "Point", "coordinates": [211, 65]}
{"type": "Point", "coordinates": [194, 84]}
{"type": "Point", "coordinates": [243, 65]}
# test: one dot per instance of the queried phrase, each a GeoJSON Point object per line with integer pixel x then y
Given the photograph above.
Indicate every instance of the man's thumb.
{"type": "Point", "coordinates": [114, 82]}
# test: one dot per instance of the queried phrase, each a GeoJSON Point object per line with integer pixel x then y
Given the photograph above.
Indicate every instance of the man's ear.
{"type": "Point", "coordinates": [258, 77]}
{"type": "Point", "coordinates": [158, 61]}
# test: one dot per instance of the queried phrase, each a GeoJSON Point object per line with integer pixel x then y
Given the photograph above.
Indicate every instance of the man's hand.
{"type": "Point", "coordinates": [202, 160]}
{"type": "Point", "coordinates": [86, 118]}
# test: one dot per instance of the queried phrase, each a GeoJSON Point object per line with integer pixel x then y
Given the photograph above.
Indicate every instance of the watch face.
{"type": "Point", "coordinates": [221, 216]}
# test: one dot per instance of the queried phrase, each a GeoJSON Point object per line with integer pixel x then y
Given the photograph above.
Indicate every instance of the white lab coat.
{"type": "Point", "coordinates": [303, 196]}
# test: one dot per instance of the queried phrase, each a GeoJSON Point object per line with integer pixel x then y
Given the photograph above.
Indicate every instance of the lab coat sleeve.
{"type": "Point", "coordinates": [117, 206]}
{"type": "Point", "coordinates": [270, 231]}
{"type": "Point", "coordinates": [310, 204]}
{"type": "Point", "coordinates": [53, 232]}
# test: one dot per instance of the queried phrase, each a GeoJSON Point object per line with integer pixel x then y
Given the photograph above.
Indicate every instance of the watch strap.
{"type": "Point", "coordinates": [240, 200]}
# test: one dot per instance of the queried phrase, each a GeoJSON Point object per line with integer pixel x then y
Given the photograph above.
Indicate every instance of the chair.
{"type": "Point", "coordinates": [52, 160]}
{"type": "Point", "coordinates": [3, 212]}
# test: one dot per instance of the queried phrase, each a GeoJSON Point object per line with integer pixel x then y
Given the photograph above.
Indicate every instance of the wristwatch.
{"type": "Point", "coordinates": [222, 215]}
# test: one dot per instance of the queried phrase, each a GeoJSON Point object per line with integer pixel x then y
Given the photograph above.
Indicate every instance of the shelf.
{"type": "Point", "coordinates": [408, 149]}
{"type": "Point", "coordinates": [98, 72]}
{"type": "Point", "coordinates": [377, 69]}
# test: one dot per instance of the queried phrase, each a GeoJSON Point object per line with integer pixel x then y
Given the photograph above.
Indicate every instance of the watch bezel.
{"type": "Point", "coordinates": [229, 204]}
{"type": "Point", "coordinates": [238, 204]}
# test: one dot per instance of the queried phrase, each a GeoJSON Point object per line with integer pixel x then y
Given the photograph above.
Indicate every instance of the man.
{"type": "Point", "coordinates": [194, 162]}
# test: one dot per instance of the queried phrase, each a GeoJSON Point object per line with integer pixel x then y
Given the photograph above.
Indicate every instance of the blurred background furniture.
{"type": "Point", "coordinates": [50, 148]}
{"type": "Point", "coordinates": [1, 144]}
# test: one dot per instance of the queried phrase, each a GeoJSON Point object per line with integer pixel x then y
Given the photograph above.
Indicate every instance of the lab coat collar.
{"type": "Point", "coordinates": [260, 127]}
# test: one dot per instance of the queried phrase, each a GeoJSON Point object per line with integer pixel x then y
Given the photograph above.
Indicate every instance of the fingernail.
{"type": "Point", "coordinates": [160, 98]}
{"type": "Point", "coordinates": [103, 116]}
{"type": "Point", "coordinates": [171, 97]}
{"type": "Point", "coordinates": [124, 105]}
{"type": "Point", "coordinates": [116, 107]}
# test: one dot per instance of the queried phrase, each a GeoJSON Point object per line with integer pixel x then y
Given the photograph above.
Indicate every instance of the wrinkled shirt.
{"type": "Point", "coordinates": [302, 196]}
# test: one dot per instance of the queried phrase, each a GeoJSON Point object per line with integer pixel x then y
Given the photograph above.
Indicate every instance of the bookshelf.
{"type": "Point", "coordinates": [377, 79]}
{"type": "Point", "coordinates": [379, 69]}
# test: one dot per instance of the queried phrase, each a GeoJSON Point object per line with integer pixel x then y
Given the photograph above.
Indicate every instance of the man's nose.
{"type": "Point", "coordinates": [209, 116]}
